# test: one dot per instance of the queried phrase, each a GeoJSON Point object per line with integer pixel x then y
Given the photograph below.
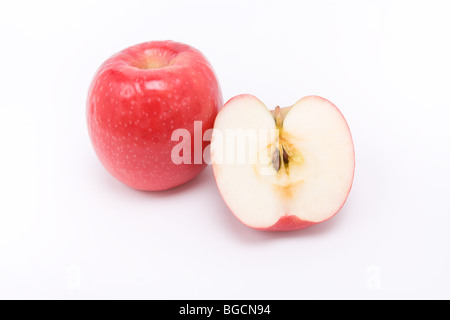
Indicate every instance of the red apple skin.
{"type": "Point", "coordinates": [137, 98]}
{"type": "Point", "coordinates": [289, 223]}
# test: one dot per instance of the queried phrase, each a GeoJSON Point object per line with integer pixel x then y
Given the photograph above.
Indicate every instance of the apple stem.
{"type": "Point", "coordinates": [278, 118]}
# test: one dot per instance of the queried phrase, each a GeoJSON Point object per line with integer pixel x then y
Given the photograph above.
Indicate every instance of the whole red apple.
{"type": "Point", "coordinates": [138, 98]}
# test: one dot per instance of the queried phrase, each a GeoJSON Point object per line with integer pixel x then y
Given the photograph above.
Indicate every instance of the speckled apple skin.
{"type": "Point", "coordinates": [132, 112]}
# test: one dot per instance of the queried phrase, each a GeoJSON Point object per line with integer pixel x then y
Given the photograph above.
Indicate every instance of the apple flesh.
{"type": "Point", "coordinates": [298, 163]}
{"type": "Point", "coordinates": [138, 98]}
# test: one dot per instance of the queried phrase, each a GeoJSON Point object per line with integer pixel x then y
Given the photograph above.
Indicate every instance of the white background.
{"type": "Point", "coordinates": [69, 230]}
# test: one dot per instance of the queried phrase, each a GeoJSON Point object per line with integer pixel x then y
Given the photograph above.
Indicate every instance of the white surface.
{"type": "Point", "coordinates": [69, 230]}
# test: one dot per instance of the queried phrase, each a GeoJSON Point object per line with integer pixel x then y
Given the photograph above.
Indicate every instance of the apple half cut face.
{"type": "Point", "coordinates": [284, 169]}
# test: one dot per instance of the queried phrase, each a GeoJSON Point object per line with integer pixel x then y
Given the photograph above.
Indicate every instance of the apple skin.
{"type": "Point", "coordinates": [137, 98]}
{"type": "Point", "coordinates": [289, 222]}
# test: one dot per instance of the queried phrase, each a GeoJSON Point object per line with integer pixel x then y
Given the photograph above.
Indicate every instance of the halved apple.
{"type": "Point", "coordinates": [284, 169]}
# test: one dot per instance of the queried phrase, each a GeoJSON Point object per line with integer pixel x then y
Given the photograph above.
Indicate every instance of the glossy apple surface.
{"type": "Point", "coordinates": [137, 98]}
